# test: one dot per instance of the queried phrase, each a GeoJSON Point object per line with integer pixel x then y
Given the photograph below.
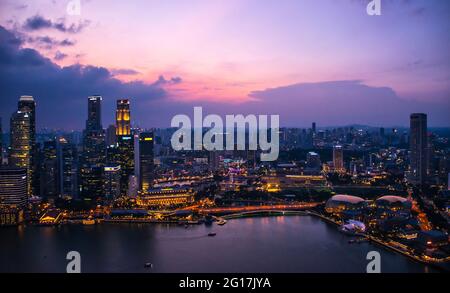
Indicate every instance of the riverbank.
{"type": "Point", "coordinates": [429, 261]}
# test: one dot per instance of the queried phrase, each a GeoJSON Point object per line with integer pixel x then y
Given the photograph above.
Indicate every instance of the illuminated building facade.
{"type": "Point", "coordinates": [67, 168]}
{"type": "Point", "coordinates": [125, 143]}
{"type": "Point", "coordinates": [341, 203]}
{"type": "Point", "coordinates": [20, 153]}
{"type": "Point", "coordinates": [27, 104]}
{"type": "Point", "coordinates": [165, 197]}
{"type": "Point", "coordinates": [146, 142]}
{"type": "Point", "coordinates": [49, 178]}
{"type": "Point", "coordinates": [10, 215]}
{"type": "Point", "coordinates": [112, 181]}
{"type": "Point", "coordinates": [94, 151]}
{"type": "Point", "coordinates": [13, 187]}
{"type": "Point", "coordinates": [418, 148]}
{"type": "Point", "coordinates": [338, 158]}
{"type": "Point", "coordinates": [123, 123]}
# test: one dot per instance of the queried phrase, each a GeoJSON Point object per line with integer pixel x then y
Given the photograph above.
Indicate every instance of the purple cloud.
{"type": "Point", "coordinates": [38, 22]}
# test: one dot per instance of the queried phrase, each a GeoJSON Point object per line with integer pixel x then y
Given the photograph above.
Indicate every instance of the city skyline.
{"type": "Point", "coordinates": [236, 57]}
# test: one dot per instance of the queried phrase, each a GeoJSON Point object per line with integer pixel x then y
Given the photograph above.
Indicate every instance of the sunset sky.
{"type": "Point", "coordinates": [306, 60]}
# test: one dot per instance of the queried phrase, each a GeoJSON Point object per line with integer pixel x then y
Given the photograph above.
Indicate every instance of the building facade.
{"type": "Point", "coordinates": [418, 148]}
{"type": "Point", "coordinates": [146, 142]}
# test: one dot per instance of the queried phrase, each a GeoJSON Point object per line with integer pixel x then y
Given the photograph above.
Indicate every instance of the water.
{"type": "Point", "coordinates": [270, 244]}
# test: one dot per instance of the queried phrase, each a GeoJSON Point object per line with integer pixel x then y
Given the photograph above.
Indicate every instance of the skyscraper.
{"type": "Point", "coordinates": [28, 105]}
{"type": "Point", "coordinates": [67, 168]}
{"type": "Point", "coordinates": [112, 181]}
{"type": "Point", "coordinates": [146, 141]}
{"type": "Point", "coordinates": [1, 142]}
{"type": "Point", "coordinates": [20, 153]}
{"type": "Point", "coordinates": [94, 120]}
{"type": "Point", "coordinates": [13, 186]}
{"type": "Point", "coordinates": [338, 158]}
{"type": "Point", "coordinates": [111, 138]}
{"type": "Point", "coordinates": [123, 124]}
{"type": "Point", "coordinates": [418, 148]}
{"type": "Point", "coordinates": [93, 157]}
{"type": "Point", "coordinates": [125, 143]}
{"type": "Point", "coordinates": [49, 177]}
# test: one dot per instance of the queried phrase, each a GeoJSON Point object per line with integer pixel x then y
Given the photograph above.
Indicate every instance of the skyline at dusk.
{"type": "Point", "coordinates": [303, 61]}
{"type": "Point", "coordinates": [211, 144]}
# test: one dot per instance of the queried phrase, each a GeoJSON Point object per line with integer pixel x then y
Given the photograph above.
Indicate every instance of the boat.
{"type": "Point", "coordinates": [222, 222]}
{"type": "Point", "coordinates": [211, 234]}
{"type": "Point", "coordinates": [88, 222]}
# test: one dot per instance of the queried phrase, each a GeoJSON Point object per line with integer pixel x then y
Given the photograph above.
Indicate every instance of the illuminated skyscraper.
{"type": "Point", "coordinates": [93, 157]}
{"type": "Point", "coordinates": [123, 124]}
{"type": "Point", "coordinates": [49, 177]}
{"type": "Point", "coordinates": [27, 104]}
{"type": "Point", "coordinates": [418, 148]}
{"type": "Point", "coordinates": [20, 153]}
{"type": "Point", "coordinates": [94, 120]}
{"type": "Point", "coordinates": [111, 181]}
{"type": "Point", "coordinates": [1, 142]}
{"type": "Point", "coordinates": [125, 143]}
{"type": "Point", "coordinates": [67, 168]}
{"type": "Point", "coordinates": [338, 158]}
{"type": "Point", "coordinates": [146, 142]}
{"type": "Point", "coordinates": [13, 186]}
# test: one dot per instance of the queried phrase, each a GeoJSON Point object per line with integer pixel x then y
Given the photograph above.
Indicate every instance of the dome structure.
{"type": "Point", "coordinates": [342, 202]}
{"type": "Point", "coordinates": [393, 201]}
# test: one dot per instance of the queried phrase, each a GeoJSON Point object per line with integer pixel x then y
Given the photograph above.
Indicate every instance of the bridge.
{"type": "Point", "coordinates": [260, 208]}
{"type": "Point", "coordinates": [264, 213]}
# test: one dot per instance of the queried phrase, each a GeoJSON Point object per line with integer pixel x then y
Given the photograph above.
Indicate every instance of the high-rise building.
{"type": "Point", "coordinates": [49, 175]}
{"type": "Point", "coordinates": [112, 181]}
{"type": "Point", "coordinates": [94, 120]}
{"type": "Point", "coordinates": [338, 158]}
{"type": "Point", "coordinates": [313, 161]}
{"type": "Point", "coordinates": [1, 142]}
{"type": "Point", "coordinates": [27, 104]}
{"type": "Point", "coordinates": [111, 138]}
{"type": "Point", "coordinates": [146, 142]}
{"type": "Point", "coordinates": [67, 168]}
{"type": "Point", "coordinates": [314, 127]}
{"type": "Point", "coordinates": [133, 186]}
{"type": "Point", "coordinates": [20, 153]}
{"type": "Point", "coordinates": [13, 186]}
{"type": "Point", "coordinates": [418, 148]}
{"type": "Point", "coordinates": [93, 156]}
{"type": "Point", "coordinates": [123, 123]}
{"type": "Point", "coordinates": [448, 182]}
{"type": "Point", "coordinates": [214, 160]}
{"type": "Point", "coordinates": [125, 143]}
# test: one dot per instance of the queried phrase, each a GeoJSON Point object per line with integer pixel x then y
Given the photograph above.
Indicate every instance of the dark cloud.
{"type": "Point", "coordinates": [163, 81]}
{"type": "Point", "coordinates": [124, 71]}
{"type": "Point", "coordinates": [49, 43]}
{"type": "Point", "coordinates": [59, 55]}
{"type": "Point", "coordinates": [344, 102]}
{"type": "Point", "coordinates": [61, 92]}
{"type": "Point", "coordinates": [38, 22]}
